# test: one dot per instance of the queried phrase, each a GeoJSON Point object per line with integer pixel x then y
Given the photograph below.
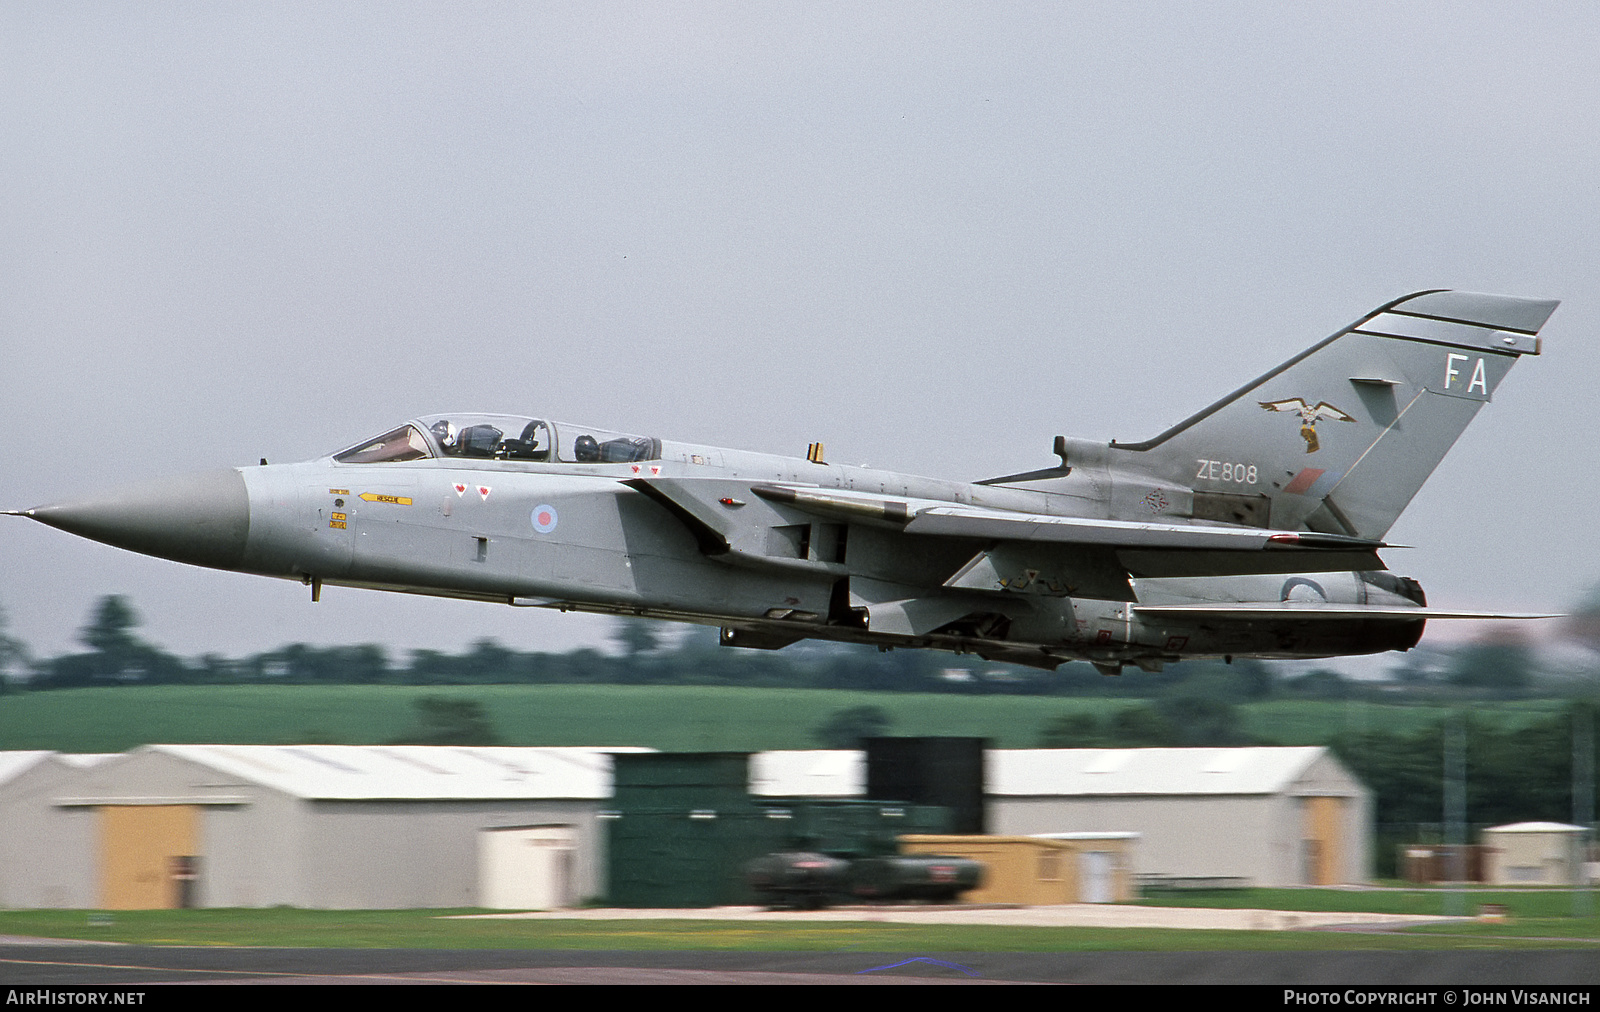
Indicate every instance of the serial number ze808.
{"type": "Point", "coordinates": [1224, 470]}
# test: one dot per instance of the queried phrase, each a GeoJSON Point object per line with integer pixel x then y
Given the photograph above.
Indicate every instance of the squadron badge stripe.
{"type": "Point", "coordinates": [1313, 482]}
{"type": "Point", "coordinates": [1303, 481]}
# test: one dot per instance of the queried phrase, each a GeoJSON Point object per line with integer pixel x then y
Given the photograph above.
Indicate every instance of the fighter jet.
{"type": "Point", "coordinates": [1237, 532]}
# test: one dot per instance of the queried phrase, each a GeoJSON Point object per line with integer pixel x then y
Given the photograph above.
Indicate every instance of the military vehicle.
{"type": "Point", "coordinates": [1252, 528]}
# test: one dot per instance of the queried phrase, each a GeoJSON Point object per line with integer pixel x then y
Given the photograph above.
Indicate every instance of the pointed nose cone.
{"type": "Point", "coordinates": [202, 519]}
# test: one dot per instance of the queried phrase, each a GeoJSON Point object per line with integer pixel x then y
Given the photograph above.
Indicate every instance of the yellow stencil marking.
{"type": "Point", "coordinates": [398, 500]}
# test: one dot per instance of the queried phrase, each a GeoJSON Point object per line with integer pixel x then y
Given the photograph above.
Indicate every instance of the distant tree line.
{"type": "Point", "coordinates": [1512, 773]}
{"type": "Point", "coordinates": [1520, 774]}
{"type": "Point", "coordinates": [115, 654]}
{"type": "Point", "coordinates": [1195, 698]}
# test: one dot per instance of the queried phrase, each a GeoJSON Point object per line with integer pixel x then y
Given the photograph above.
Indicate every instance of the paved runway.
{"type": "Point", "coordinates": [31, 962]}
{"type": "Point", "coordinates": [31, 965]}
{"type": "Point", "coordinates": [1070, 915]}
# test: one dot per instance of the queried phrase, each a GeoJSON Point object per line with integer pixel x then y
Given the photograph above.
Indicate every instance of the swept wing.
{"type": "Point", "coordinates": [713, 511]}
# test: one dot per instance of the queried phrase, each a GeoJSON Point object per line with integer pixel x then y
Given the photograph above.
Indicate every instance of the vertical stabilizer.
{"type": "Point", "coordinates": [1340, 438]}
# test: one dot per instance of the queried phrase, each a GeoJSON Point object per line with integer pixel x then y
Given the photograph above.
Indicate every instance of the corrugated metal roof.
{"type": "Point", "coordinates": [84, 760]}
{"type": "Point", "coordinates": [13, 764]}
{"type": "Point", "coordinates": [1536, 827]}
{"type": "Point", "coordinates": [814, 773]}
{"type": "Point", "coordinates": [1056, 772]}
{"type": "Point", "coordinates": [411, 772]}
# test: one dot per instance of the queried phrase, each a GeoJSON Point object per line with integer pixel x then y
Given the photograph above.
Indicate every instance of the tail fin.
{"type": "Point", "coordinates": [1339, 438]}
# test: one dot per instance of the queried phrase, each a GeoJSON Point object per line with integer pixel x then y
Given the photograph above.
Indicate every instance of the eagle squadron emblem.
{"type": "Point", "coordinates": [1309, 417]}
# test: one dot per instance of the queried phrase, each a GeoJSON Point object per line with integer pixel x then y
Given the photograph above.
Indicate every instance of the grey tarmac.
{"type": "Point", "coordinates": [130, 966]}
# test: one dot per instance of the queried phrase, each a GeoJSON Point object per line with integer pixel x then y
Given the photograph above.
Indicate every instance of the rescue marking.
{"type": "Point", "coordinates": [340, 516]}
{"type": "Point", "coordinates": [337, 523]}
{"type": "Point", "coordinates": [544, 518]}
{"type": "Point", "coordinates": [398, 500]}
{"type": "Point", "coordinates": [338, 491]}
{"type": "Point", "coordinates": [484, 491]}
{"type": "Point", "coordinates": [460, 488]}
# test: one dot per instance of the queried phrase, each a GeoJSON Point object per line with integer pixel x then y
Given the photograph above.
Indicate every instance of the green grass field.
{"type": "Point", "coordinates": [435, 929]}
{"type": "Point", "coordinates": [1315, 722]}
{"type": "Point", "coordinates": [1519, 903]}
{"type": "Point", "coordinates": [678, 718]}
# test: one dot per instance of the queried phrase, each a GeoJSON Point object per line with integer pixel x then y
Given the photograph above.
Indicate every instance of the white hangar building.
{"type": "Point", "coordinates": [319, 826]}
{"type": "Point", "coordinates": [38, 847]}
{"type": "Point", "coordinates": [1266, 816]}
{"type": "Point", "coordinates": [364, 827]}
{"type": "Point", "coordinates": [1269, 816]}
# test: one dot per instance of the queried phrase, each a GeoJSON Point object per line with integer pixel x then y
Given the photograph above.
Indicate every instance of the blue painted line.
{"type": "Point", "coordinates": [969, 971]}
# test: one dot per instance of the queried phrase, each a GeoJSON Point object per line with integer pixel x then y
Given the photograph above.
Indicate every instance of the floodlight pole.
{"type": "Point", "coordinates": [1455, 812]}
{"type": "Point", "coordinates": [1582, 803]}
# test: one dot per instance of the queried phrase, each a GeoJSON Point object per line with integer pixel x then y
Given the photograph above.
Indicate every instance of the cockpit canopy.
{"type": "Point", "coordinates": [501, 437]}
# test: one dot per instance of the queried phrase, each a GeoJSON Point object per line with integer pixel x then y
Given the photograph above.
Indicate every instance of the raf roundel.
{"type": "Point", "coordinates": [544, 518]}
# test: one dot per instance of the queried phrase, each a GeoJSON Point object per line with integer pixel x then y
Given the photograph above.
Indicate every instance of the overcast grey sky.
{"type": "Point", "coordinates": [931, 235]}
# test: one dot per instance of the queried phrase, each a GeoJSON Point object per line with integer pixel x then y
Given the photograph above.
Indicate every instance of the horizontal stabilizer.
{"type": "Point", "coordinates": [1269, 610]}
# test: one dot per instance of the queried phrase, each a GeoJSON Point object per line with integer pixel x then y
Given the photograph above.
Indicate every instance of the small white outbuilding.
{"type": "Point", "coordinates": [1534, 853]}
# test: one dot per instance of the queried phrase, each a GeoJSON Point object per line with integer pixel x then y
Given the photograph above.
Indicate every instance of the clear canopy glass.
{"type": "Point", "coordinates": [501, 437]}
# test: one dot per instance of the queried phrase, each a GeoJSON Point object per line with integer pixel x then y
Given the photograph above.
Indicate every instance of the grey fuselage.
{"type": "Point", "coordinates": [470, 529]}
